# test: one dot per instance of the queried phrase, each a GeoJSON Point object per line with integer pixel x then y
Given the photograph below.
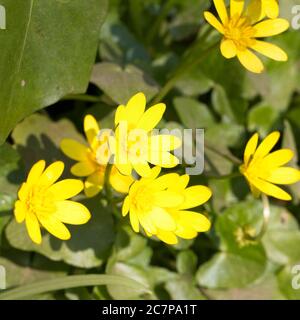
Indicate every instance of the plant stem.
{"type": "Point", "coordinates": [266, 217]}
{"type": "Point", "coordinates": [179, 72]}
{"type": "Point", "coordinates": [158, 21]}
{"type": "Point", "coordinates": [107, 186]}
{"type": "Point", "coordinates": [67, 282]}
{"type": "Point", "coordinates": [227, 156]}
{"type": "Point", "coordinates": [226, 176]}
{"type": "Point", "coordinates": [82, 97]}
{"type": "Point", "coordinates": [136, 14]}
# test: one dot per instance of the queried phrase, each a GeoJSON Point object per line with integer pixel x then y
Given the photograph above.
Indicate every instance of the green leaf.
{"type": "Point", "coordinates": [11, 177]}
{"type": "Point", "coordinates": [119, 292]}
{"type": "Point", "coordinates": [243, 259]}
{"type": "Point", "coordinates": [277, 86]}
{"type": "Point", "coordinates": [265, 289]}
{"type": "Point", "coordinates": [262, 118]}
{"type": "Point", "coordinates": [68, 282]}
{"type": "Point", "coordinates": [193, 83]}
{"type": "Point", "coordinates": [238, 225]}
{"type": "Point", "coordinates": [183, 288]}
{"type": "Point", "coordinates": [128, 244]}
{"type": "Point", "coordinates": [88, 247]}
{"type": "Point", "coordinates": [37, 137]}
{"type": "Point", "coordinates": [289, 141]}
{"type": "Point", "coordinates": [47, 52]}
{"type": "Point", "coordinates": [22, 269]}
{"type": "Point", "coordinates": [193, 114]}
{"type": "Point", "coordinates": [119, 45]}
{"type": "Point", "coordinates": [227, 270]}
{"type": "Point", "coordinates": [222, 104]}
{"type": "Point", "coordinates": [186, 262]}
{"type": "Point", "coordinates": [187, 18]}
{"type": "Point", "coordinates": [286, 278]}
{"type": "Point", "coordinates": [282, 238]}
{"type": "Point", "coordinates": [120, 84]}
{"type": "Point", "coordinates": [225, 134]}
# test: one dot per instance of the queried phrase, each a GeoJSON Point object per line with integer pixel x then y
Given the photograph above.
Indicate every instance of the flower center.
{"type": "Point", "coordinates": [142, 199]}
{"type": "Point", "coordinates": [40, 201]}
{"type": "Point", "coordinates": [240, 31]}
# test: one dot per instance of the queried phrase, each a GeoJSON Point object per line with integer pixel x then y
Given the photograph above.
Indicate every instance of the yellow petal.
{"type": "Point", "coordinates": [167, 237]}
{"type": "Point", "coordinates": [134, 220]}
{"type": "Point", "coordinates": [222, 11]}
{"type": "Point", "coordinates": [135, 108]}
{"type": "Point", "coordinates": [124, 168]}
{"type": "Point", "coordinates": [20, 211]}
{"type": "Point", "coordinates": [91, 129]}
{"type": "Point", "coordinates": [154, 173]}
{"type": "Point", "coordinates": [164, 160]}
{"type": "Point", "coordinates": [94, 183]}
{"type": "Point", "coordinates": [270, 27]}
{"type": "Point", "coordinates": [162, 219]}
{"type": "Point", "coordinates": [181, 183]}
{"type": "Point", "coordinates": [277, 158]}
{"type": "Point", "coordinates": [255, 11]}
{"type": "Point", "coordinates": [212, 20]}
{"type": "Point", "coordinates": [195, 196]}
{"type": "Point", "coordinates": [83, 169]}
{"type": "Point", "coordinates": [270, 189]}
{"type": "Point", "coordinates": [250, 61]}
{"type": "Point", "coordinates": [36, 172]}
{"type": "Point", "coordinates": [270, 50]}
{"type": "Point", "coordinates": [271, 8]}
{"type": "Point", "coordinates": [74, 149]}
{"type": "Point", "coordinates": [250, 148]}
{"type": "Point", "coordinates": [142, 169]}
{"type": "Point", "coordinates": [120, 182]}
{"type": "Point", "coordinates": [72, 212]}
{"type": "Point", "coordinates": [165, 181]}
{"type": "Point", "coordinates": [120, 114]}
{"type": "Point", "coordinates": [164, 142]}
{"type": "Point", "coordinates": [126, 206]}
{"type": "Point", "coordinates": [33, 228]}
{"type": "Point", "coordinates": [168, 199]}
{"type": "Point", "coordinates": [24, 191]}
{"type": "Point", "coordinates": [194, 220]}
{"type": "Point", "coordinates": [267, 145]}
{"type": "Point", "coordinates": [185, 232]}
{"type": "Point", "coordinates": [55, 227]}
{"type": "Point", "coordinates": [147, 224]}
{"type": "Point", "coordinates": [236, 7]}
{"type": "Point", "coordinates": [52, 173]}
{"type": "Point", "coordinates": [152, 117]}
{"type": "Point", "coordinates": [66, 189]}
{"type": "Point", "coordinates": [284, 175]}
{"type": "Point", "coordinates": [228, 48]}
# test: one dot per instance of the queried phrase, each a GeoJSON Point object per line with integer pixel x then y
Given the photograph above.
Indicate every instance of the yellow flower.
{"type": "Point", "coordinates": [263, 8]}
{"type": "Point", "coordinates": [134, 146]}
{"type": "Point", "coordinates": [42, 202]}
{"type": "Point", "coordinates": [264, 170]}
{"type": "Point", "coordinates": [240, 30]}
{"type": "Point", "coordinates": [92, 163]}
{"type": "Point", "coordinates": [160, 205]}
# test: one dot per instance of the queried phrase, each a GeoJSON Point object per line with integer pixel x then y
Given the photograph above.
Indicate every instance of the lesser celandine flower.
{"type": "Point", "coordinates": [43, 202]}
{"type": "Point", "coordinates": [134, 146]}
{"type": "Point", "coordinates": [264, 170]}
{"type": "Point", "coordinates": [92, 160]}
{"type": "Point", "coordinates": [161, 206]}
{"type": "Point", "coordinates": [241, 29]}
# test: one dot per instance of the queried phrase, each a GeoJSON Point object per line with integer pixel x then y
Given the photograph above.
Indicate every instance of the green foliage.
{"type": "Point", "coordinates": [43, 55]}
